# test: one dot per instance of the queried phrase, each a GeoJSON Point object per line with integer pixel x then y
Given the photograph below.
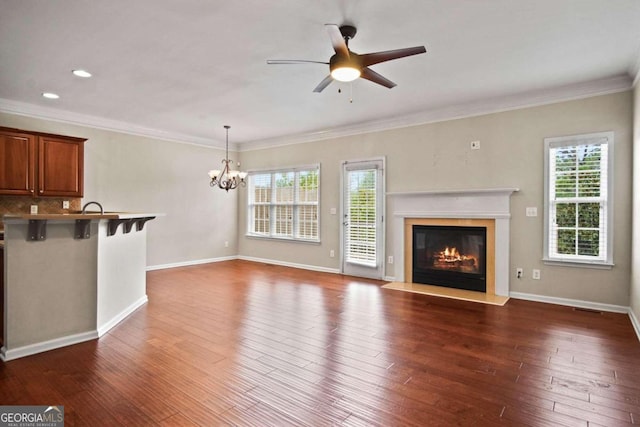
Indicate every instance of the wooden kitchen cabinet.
{"type": "Point", "coordinates": [60, 166]}
{"type": "Point", "coordinates": [41, 165]}
{"type": "Point", "coordinates": [18, 161]}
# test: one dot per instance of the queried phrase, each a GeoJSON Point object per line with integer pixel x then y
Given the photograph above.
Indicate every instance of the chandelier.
{"type": "Point", "coordinates": [227, 179]}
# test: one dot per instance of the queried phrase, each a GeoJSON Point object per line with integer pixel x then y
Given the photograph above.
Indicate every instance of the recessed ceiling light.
{"type": "Point", "coordinates": [82, 73]}
{"type": "Point", "coordinates": [50, 95]}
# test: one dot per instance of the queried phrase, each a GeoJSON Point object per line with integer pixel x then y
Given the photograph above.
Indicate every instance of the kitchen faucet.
{"type": "Point", "coordinates": [84, 208]}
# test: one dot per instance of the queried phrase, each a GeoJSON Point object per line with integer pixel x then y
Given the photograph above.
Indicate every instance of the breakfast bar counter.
{"type": "Point", "coordinates": [69, 278]}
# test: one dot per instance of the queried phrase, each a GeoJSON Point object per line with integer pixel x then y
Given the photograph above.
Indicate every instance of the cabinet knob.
{"type": "Point", "coordinates": [41, 191]}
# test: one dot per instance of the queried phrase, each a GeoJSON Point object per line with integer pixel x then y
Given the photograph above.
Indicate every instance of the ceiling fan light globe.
{"type": "Point", "coordinates": [345, 74]}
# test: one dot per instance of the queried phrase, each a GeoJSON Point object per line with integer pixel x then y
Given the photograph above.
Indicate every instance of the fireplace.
{"type": "Point", "coordinates": [450, 256]}
{"type": "Point", "coordinates": [489, 208]}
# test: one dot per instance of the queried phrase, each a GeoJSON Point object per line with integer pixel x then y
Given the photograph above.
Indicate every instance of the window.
{"type": "Point", "coordinates": [284, 204]}
{"type": "Point", "coordinates": [578, 199]}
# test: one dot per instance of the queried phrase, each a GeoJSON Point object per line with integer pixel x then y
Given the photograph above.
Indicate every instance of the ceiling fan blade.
{"type": "Point", "coordinates": [339, 45]}
{"type": "Point", "coordinates": [369, 74]}
{"type": "Point", "coordinates": [324, 83]}
{"type": "Point", "coordinates": [387, 55]}
{"type": "Point", "coordinates": [293, 61]}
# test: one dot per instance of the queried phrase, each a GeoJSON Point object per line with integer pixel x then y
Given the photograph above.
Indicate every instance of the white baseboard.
{"type": "Point", "coordinates": [291, 264]}
{"type": "Point", "coordinates": [103, 329]}
{"type": "Point", "coordinates": [28, 350]}
{"type": "Point", "coordinates": [634, 322]}
{"type": "Point", "coordinates": [571, 302]}
{"type": "Point", "coordinates": [188, 263]}
{"type": "Point", "coordinates": [389, 278]}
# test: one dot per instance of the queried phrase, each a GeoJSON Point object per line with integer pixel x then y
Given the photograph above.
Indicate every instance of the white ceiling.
{"type": "Point", "coordinates": [183, 69]}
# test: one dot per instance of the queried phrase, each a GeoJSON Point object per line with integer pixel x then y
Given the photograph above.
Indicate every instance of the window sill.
{"type": "Point", "coordinates": [598, 265]}
{"type": "Point", "coordinates": [282, 239]}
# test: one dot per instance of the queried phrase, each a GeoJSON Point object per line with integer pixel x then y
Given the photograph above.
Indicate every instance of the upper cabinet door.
{"type": "Point", "coordinates": [60, 166]}
{"type": "Point", "coordinates": [17, 163]}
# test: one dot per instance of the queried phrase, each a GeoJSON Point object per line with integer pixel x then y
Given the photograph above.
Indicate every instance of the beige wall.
{"type": "Point", "coordinates": [137, 174]}
{"type": "Point", "coordinates": [635, 267]}
{"type": "Point", "coordinates": [437, 157]}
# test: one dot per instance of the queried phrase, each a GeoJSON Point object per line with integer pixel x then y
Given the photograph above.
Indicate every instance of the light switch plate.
{"type": "Point", "coordinates": [532, 211]}
{"type": "Point", "coordinates": [34, 209]}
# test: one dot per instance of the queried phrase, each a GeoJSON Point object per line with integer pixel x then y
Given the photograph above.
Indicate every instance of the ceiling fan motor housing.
{"type": "Point", "coordinates": [339, 61]}
{"type": "Point", "coordinates": [348, 31]}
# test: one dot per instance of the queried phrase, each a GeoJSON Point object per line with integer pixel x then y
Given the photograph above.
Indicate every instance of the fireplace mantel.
{"type": "Point", "coordinates": [478, 191]}
{"type": "Point", "coordinates": [491, 203]}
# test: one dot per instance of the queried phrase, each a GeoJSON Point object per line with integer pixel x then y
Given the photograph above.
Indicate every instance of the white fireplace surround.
{"type": "Point", "coordinates": [490, 203]}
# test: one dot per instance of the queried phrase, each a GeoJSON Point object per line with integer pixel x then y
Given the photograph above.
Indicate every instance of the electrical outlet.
{"type": "Point", "coordinates": [34, 209]}
{"type": "Point", "coordinates": [332, 253]}
{"type": "Point", "coordinates": [536, 274]}
{"type": "Point", "coordinates": [226, 244]}
{"type": "Point", "coordinates": [532, 211]}
{"type": "Point", "coordinates": [332, 211]}
{"type": "Point", "coordinates": [390, 259]}
{"type": "Point", "coordinates": [519, 273]}
{"type": "Point", "coordinates": [475, 145]}
{"type": "Point", "coordinates": [65, 204]}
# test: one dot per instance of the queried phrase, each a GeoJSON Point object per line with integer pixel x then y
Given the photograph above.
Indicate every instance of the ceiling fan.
{"type": "Point", "coordinates": [346, 66]}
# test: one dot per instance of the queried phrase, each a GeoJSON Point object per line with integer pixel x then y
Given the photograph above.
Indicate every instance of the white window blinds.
{"type": "Point", "coordinates": [284, 204]}
{"type": "Point", "coordinates": [360, 242]}
{"type": "Point", "coordinates": [578, 197]}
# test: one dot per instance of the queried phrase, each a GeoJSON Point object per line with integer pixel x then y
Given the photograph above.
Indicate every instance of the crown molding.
{"type": "Point", "coordinates": [494, 105]}
{"type": "Point", "coordinates": [69, 117]}
{"type": "Point", "coordinates": [570, 92]}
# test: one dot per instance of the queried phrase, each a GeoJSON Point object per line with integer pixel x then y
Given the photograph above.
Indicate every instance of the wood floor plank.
{"type": "Point", "coordinates": [239, 343]}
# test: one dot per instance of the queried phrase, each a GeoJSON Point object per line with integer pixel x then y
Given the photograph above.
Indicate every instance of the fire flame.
{"type": "Point", "coordinates": [451, 259]}
{"type": "Point", "coordinates": [452, 255]}
{"type": "Point", "coordinates": [453, 252]}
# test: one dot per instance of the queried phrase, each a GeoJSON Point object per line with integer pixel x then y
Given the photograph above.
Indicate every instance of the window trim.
{"type": "Point", "coordinates": [574, 140]}
{"type": "Point", "coordinates": [272, 171]}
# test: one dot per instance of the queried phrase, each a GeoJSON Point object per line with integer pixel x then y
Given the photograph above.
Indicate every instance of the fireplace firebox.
{"type": "Point", "coordinates": [450, 256]}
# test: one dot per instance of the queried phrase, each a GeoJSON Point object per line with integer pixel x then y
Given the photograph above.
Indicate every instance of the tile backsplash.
{"type": "Point", "coordinates": [22, 205]}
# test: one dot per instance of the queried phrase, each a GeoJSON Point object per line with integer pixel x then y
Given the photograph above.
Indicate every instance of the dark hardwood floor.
{"type": "Point", "coordinates": [240, 343]}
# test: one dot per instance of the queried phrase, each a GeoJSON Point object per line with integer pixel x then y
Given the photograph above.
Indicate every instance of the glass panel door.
{"type": "Point", "coordinates": [362, 219]}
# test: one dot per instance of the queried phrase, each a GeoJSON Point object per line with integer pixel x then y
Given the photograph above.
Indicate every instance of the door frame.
{"type": "Point", "coordinates": [381, 268]}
